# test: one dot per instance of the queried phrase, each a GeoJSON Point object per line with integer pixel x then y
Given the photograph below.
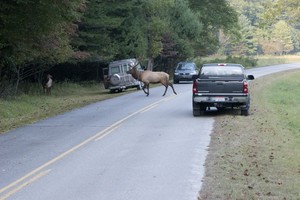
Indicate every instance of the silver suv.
{"type": "Point", "coordinates": [115, 77]}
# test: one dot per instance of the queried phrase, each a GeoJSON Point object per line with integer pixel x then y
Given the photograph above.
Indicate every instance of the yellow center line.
{"type": "Point", "coordinates": [149, 108]}
{"type": "Point", "coordinates": [98, 136]}
{"type": "Point", "coordinates": [170, 97]}
{"type": "Point", "coordinates": [20, 187]}
{"type": "Point", "coordinates": [108, 132]}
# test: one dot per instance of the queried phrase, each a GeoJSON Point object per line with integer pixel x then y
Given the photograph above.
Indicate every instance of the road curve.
{"type": "Point", "coordinates": [129, 147]}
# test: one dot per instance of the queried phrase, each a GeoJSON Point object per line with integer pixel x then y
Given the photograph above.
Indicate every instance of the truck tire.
{"type": "Point", "coordinates": [245, 112]}
{"type": "Point", "coordinates": [196, 110]}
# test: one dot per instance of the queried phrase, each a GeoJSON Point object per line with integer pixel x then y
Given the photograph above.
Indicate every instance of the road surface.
{"type": "Point", "coordinates": [130, 147]}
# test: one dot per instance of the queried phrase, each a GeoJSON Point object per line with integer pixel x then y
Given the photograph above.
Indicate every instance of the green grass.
{"type": "Point", "coordinates": [33, 106]}
{"type": "Point", "coordinates": [276, 60]}
{"type": "Point", "coordinates": [286, 101]}
{"type": "Point", "coordinates": [258, 157]}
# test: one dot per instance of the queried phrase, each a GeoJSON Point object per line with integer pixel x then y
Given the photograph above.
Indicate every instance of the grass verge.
{"type": "Point", "coordinates": [258, 157]}
{"type": "Point", "coordinates": [26, 109]}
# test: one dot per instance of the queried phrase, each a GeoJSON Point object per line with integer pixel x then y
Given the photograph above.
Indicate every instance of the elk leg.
{"type": "Point", "coordinates": [148, 89]}
{"type": "Point", "coordinates": [171, 85]}
{"type": "Point", "coordinates": [165, 90]}
{"type": "Point", "coordinates": [144, 87]}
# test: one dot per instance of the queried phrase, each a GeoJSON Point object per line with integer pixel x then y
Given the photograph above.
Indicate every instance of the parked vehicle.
{"type": "Point", "coordinates": [221, 86]}
{"type": "Point", "coordinates": [184, 71]}
{"type": "Point", "coordinates": [116, 78]}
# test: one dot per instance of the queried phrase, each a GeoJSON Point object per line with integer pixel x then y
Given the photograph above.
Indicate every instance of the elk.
{"type": "Point", "coordinates": [47, 85]}
{"type": "Point", "coordinates": [148, 77]}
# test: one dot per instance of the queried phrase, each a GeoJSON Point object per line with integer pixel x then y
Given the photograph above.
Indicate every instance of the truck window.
{"type": "Point", "coordinates": [217, 71]}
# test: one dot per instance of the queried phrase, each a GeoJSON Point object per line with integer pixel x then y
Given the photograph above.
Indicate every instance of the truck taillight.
{"type": "Point", "coordinates": [194, 87]}
{"type": "Point", "coordinates": [245, 88]}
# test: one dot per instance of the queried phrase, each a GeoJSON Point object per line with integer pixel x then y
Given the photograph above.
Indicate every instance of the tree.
{"type": "Point", "coordinates": [214, 15]}
{"type": "Point", "coordinates": [282, 35]}
{"type": "Point", "coordinates": [34, 32]}
{"type": "Point", "coordinates": [246, 44]}
{"type": "Point", "coordinates": [100, 28]}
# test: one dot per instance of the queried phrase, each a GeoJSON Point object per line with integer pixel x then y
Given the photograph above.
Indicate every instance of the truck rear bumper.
{"type": "Point", "coordinates": [217, 99]}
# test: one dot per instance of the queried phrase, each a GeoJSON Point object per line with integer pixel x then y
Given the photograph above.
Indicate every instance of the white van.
{"type": "Point", "coordinates": [116, 78]}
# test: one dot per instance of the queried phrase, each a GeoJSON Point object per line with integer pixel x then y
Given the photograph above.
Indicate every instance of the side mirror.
{"type": "Point", "coordinates": [194, 77]}
{"type": "Point", "coordinates": [250, 77]}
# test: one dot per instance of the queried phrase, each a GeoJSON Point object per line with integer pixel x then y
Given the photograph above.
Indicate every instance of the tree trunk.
{"type": "Point", "coordinates": [150, 64]}
{"type": "Point", "coordinates": [17, 71]}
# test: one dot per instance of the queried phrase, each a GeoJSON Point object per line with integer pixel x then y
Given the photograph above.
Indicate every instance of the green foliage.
{"type": "Point", "coordinates": [32, 32]}
{"type": "Point", "coordinates": [99, 29]}
{"type": "Point", "coordinates": [274, 26]}
{"type": "Point", "coordinates": [282, 33]}
{"type": "Point", "coordinates": [36, 30]}
{"type": "Point", "coordinates": [214, 15]}
{"type": "Point", "coordinates": [37, 34]}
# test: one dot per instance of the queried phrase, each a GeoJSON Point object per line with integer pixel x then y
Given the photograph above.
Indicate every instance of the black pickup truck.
{"type": "Point", "coordinates": [222, 86]}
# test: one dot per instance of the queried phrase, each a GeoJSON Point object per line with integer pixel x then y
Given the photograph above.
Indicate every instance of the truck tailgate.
{"type": "Point", "coordinates": [219, 86]}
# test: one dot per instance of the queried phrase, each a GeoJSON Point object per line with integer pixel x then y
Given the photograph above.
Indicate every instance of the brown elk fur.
{"type": "Point", "coordinates": [47, 84]}
{"type": "Point", "coordinates": [148, 77]}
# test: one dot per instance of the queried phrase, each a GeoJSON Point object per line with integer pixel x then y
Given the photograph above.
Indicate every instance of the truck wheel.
{"type": "Point", "coordinates": [245, 112]}
{"type": "Point", "coordinates": [196, 109]}
{"type": "Point", "coordinates": [196, 112]}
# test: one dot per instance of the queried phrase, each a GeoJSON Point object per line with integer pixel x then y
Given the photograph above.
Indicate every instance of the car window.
{"type": "Point", "coordinates": [189, 66]}
{"type": "Point", "coordinates": [186, 66]}
{"type": "Point", "coordinates": [115, 69]}
{"type": "Point", "coordinates": [179, 66]}
{"type": "Point", "coordinates": [126, 67]}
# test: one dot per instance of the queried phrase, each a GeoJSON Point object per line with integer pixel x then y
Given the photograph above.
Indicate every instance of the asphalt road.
{"type": "Point", "coordinates": [127, 148]}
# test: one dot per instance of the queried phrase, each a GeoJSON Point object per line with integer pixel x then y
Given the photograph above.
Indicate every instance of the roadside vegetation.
{"type": "Point", "coordinates": [258, 157]}
{"type": "Point", "coordinates": [33, 105]}
{"type": "Point", "coordinates": [28, 108]}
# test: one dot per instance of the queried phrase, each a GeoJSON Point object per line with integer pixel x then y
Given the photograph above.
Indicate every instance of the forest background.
{"type": "Point", "coordinates": [74, 39]}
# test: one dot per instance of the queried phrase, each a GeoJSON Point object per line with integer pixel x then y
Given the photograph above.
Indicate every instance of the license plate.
{"type": "Point", "coordinates": [219, 99]}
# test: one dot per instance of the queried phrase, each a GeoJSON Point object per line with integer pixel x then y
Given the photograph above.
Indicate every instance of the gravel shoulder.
{"type": "Point", "coordinates": [254, 157]}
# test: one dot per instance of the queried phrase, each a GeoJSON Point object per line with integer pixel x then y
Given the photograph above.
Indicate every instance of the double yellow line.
{"type": "Point", "coordinates": [41, 171]}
